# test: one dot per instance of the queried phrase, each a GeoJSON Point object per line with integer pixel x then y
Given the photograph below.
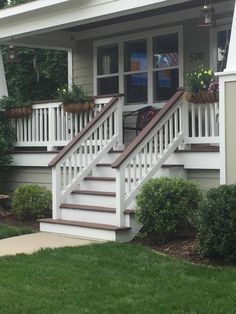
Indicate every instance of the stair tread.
{"type": "Point", "coordinates": [83, 224]}
{"type": "Point", "coordinates": [95, 208]}
{"type": "Point", "coordinates": [172, 166]}
{"type": "Point", "coordinates": [88, 207]}
{"type": "Point", "coordinates": [91, 192]}
{"type": "Point", "coordinates": [95, 178]}
{"type": "Point", "coordinates": [104, 165]}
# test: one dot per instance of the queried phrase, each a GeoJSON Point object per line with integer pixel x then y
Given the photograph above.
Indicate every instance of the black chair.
{"type": "Point", "coordinates": [143, 117]}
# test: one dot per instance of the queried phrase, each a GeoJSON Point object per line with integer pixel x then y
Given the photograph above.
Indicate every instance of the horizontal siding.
{"type": "Point", "coordinates": [28, 175]}
{"type": "Point", "coordinates": [205, 178]}
{"type": "Point", "coordinates": [83, 65]}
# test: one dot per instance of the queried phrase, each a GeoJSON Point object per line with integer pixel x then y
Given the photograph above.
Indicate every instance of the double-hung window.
{"type": "Point", "coordinates": [146, 67]}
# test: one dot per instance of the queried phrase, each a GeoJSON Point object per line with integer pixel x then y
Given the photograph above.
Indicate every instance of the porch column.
{"type": "Point", "coordinates": [227, 80]}
{"type": "Point", "coordinates": [3, 84]}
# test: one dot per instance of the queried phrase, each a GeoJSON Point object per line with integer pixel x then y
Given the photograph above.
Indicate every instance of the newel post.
{"type": "Point", "coordinates": [56, 192]}
{"type": "Point", "coordinates": [119, 124]}
{"type": "Point", "coordinates": [52, 128]}
{"type": "Point", "coordinates": [120, 196]}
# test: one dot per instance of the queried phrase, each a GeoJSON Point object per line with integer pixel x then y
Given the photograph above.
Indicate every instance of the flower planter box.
{"type": "Point", "coordinates": [202, 97]}
{"type": "Point", "coordinates": [79, 107]}
{"type": "Point", "coordinates": [19, 112]}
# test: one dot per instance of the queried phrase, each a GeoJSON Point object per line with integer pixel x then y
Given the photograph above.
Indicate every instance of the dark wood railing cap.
{"type": "Point", "coordinates": [91, 123]}
{"type": "Point", "coordinates": [142, 135]}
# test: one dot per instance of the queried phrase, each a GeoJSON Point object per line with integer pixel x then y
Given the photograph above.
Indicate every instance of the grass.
{"type": "Point", "coordinates": [10, 231]}
{"type": "Point", "coordinates": [112, 278]}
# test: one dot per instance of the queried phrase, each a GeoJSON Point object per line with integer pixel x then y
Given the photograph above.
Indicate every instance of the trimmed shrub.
{"type": "Point", "coordinates": [32, 202]}
{"type": "Point", "coordinates": [167, 205]}
{"type": "Point", "coordinates": [216, 224]}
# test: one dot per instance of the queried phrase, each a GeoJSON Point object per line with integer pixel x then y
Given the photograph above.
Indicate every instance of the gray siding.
{"type": "Point", "coordinates": [205, 178]}
{"type": "Point", "coordinates": [28, 175]}
{"type": "Point", "coordinates": [83, 65]}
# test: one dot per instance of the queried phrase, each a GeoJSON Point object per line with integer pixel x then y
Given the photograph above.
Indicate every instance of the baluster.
{"type": "Point", "coordinates": [166, 136]}
{"type": "Point", "coordinates": [176, 124]}
{"type": "Point", "coordinates": [105, 132]}
{"type": "Point", "coordinates": [37, 125]}
{"type": "Point", "coordinates": [206, 121]}
{"type": "Point", "coordinates": [69, 170]}
{"type": "Point", "coordinates": [145, 159]}
{"type": "Point", "coordinates": [156, 147]}
{"type": "Point", "coordinates": [80, 154]}
{"type": "Point", "coordinates": [95, 142]}
{"type": "Point", "coordinates": [212, 117]}
{"type": "Point", "coordinates": [75, 164]}
{"type": "Point", "coordinates": [161, 140]}
{"type": "Point", "coordinates": [25, 128]}
{"type": "Point", "coordinates": [193, 120]}
{"type": "Point", "coordinates": [171, 129]}
{"type": "Point", "coordinates": [76, 124]}
{"type": "Point", "coordinates": [30, 129]}
{"type": "Point", "coordinates": [40, 125]}
{"type": "Point", "coordinates": [80, 121]}
{"type": "Point", "coordinates": [199, 121]}
{"type": "Point", "coordinates": [64, 175]}
{"type": "Point", "coordinates": [140, 165]}
{"type": "Point", "coordinates": [150, 152]}
{"type": "Point", "coordinates": [110, 126]}
{"type": "Point", "coordinates": [91, 147]}
{"type": "Point", "coordinates": [45, 125]}
{"type": "Point", "coordinates": [60, 125]}
{"type": "Point", "coordinates": [134, 172]}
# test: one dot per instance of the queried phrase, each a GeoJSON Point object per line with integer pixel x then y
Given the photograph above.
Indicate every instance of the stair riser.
{"type": "Point", "coordinates": [110, 158]}
{"type": "Point", "coordinates": [87, 233]}
{"type": "Point", "coordinates": [94, 200]}
{"type": "Point", "coordinates": [104, 172]}
{"type": "Point", "coordinates": [105, 186]}
{"type": "Point", "coordinates": [88, 216]}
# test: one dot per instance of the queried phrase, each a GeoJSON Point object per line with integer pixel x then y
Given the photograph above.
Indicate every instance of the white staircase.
{"type": "Point", "coordinates": [95, 183]}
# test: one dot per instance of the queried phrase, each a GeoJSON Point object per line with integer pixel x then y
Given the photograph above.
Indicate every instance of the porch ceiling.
{"type": "Point", "coordinates": [59, 24]}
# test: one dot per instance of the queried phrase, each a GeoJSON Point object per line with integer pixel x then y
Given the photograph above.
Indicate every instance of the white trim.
{"type": "Point", "coordinates": [148, 36]}
{"type": "Point", "coordinates": [222, 24]}
{"type": "Point", "coordinates": [3, 83]}
{"type": "Point", "coordinates": [223, 78]}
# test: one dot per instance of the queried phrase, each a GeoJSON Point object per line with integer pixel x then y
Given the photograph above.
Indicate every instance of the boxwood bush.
{"type": "Point", "coordinates": [216, 224]}
{"type": "Point", "coordinates": [32, 202]}
{"type": "Point", "coordinates": [167, 205]}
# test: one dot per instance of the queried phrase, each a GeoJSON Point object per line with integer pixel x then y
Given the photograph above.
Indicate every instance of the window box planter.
{"type": "Point", "coordinates": [79, 107]}
{"type": "Point", "coordinates": [202, 97]}
{"type": "Point", "coordinates": [19, 112]}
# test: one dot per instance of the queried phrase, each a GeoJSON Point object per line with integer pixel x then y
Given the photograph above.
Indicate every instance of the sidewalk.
{"type": "Point", "coordinates": [33, 242]}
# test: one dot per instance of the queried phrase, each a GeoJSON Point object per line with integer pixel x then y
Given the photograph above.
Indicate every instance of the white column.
{"type": "Point", "coordinates": [70, 68]}
{"type": "Point", "coordinates": [3, 84]}
{"type": "Point", "coordinates": [231, 61]}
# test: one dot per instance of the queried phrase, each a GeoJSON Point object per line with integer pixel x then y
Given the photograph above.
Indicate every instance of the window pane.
{"type": "Point", "coordinates": [166, 83]}
{"type": "Point", "coordinates": [108, 85]}
{"type": "Point", "coordinates": [223, 38]}
{"type": "Point", "coordinates": [136, 56]}
{"type": "Point", "coordinates": [165, 51]}
{"type": "Point", "coordinates": [136, 88]}
{"type": "Point", "coordinates": [108, 60]}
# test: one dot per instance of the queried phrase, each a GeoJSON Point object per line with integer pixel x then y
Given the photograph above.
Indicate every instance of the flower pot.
{"type": "Point", "coordinates": [19, 112]}
{"type": "Point", "coordinates": [202, 97]}
{"type": "Point", "coordinates": [78, 107]}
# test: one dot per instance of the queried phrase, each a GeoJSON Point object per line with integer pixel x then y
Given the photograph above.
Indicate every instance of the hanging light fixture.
{"type": "Point", "coordinates": [12, 55]}
{"type": "Point", "coordinates": [207, 17]}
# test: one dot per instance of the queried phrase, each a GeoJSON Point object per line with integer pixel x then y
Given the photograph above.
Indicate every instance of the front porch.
{"type": "Point", "coordinates": [132, 61]}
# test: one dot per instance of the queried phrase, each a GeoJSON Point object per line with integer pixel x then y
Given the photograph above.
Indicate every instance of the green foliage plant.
{"type": "Point", "coordinates": [73, 95]}
{"type": "Point", "coordinates": [165, 206]}
{"type": "Point", "coordinates": [216, 224]}
{"type": "Point", "coordinates": [32, 202]}
{"type": "Point", "coordinates": [199, 80]}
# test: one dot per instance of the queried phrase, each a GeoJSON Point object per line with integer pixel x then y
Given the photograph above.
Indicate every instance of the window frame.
{"type": "Point", "coordinates": [148, 36]}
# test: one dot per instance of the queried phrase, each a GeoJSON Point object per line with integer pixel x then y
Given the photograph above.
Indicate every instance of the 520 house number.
{"type": "Point", "coordinates": [196, 56]}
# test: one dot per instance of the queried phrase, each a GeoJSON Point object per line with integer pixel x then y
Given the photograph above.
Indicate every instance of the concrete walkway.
{"type": "Point", "coordinates": [31, 243]}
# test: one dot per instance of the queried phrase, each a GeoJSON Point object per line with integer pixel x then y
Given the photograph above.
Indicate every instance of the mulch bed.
{"type": "Point", "coordinates": [8, 218]}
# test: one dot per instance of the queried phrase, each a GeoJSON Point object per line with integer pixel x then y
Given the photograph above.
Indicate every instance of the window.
{"type": "Point", "coordinates": [107, 70]}
{"type": "Point", "coordinates": [145, 67]}
{"type": "Point", "coordinates": [223, 39]}
{"type": "Point", "coordinates": [165, 66]}
{"type": "Point", "coordinates": [135, 75]}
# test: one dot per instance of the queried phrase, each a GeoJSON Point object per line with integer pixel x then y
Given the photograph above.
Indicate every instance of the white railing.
{"type": "Point", "coordinates": [148, 152]}
{"type": "Point", "coordinates": [50, 126]}
{"type": "Point", "coordinates": [201, 123]}
{"type": "Point", "coordinates": [78, 158]}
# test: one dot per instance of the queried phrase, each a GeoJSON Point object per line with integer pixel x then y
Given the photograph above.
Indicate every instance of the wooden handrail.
{"type": "Point", "coordinates": [82, 133]}
{"type": "Point", "coordinates": [142, 135]}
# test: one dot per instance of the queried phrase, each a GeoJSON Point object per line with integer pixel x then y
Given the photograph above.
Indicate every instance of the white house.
{"type": "Point", "coordinates": [130, 54]}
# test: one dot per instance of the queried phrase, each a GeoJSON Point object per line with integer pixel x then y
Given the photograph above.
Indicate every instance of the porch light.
{"type": "Point", "coordinates": [12, 56]}
{"type": "Point", "coordinates": [207, 17]}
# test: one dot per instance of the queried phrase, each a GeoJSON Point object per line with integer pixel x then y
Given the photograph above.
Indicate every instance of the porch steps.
{"type": "Point", "coordinates": [82, 229]}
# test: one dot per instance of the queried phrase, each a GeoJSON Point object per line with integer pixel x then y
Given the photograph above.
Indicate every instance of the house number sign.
{"type": "Point", "coordinates": [196, 56]}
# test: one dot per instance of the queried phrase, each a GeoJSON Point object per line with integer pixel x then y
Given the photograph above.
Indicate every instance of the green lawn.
{"type": "Point", "coordinates": [112, 278]}
{"type": "Point", "coordinates": [10, 231]}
